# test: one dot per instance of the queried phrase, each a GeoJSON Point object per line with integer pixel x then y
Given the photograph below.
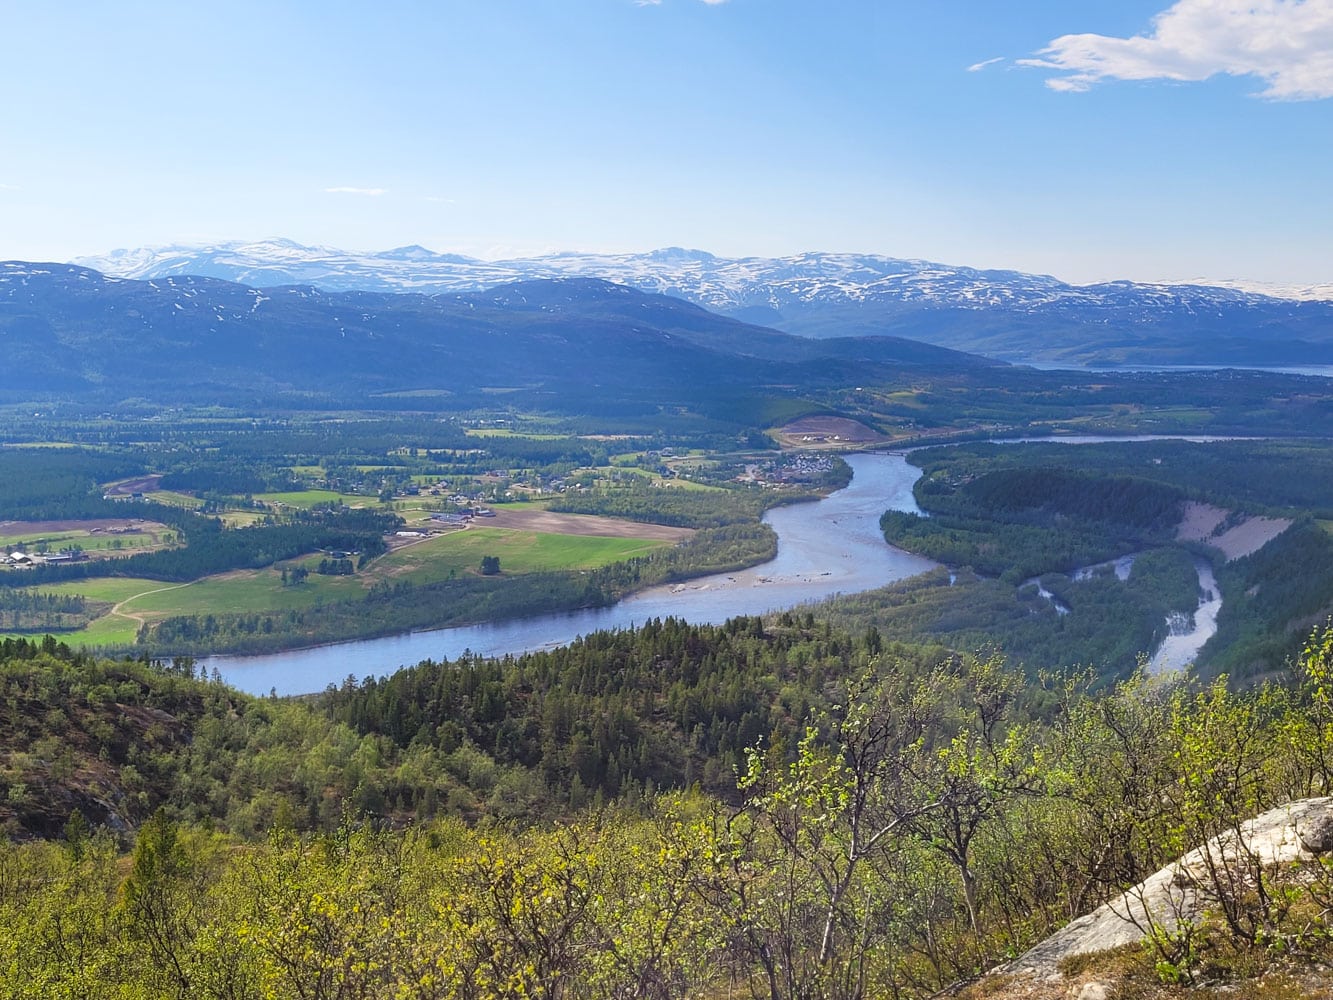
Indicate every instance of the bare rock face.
{"type": "Point", "coordinates": [1091, 991]}
{"type": "Point", "coordinates": [1175, 893]}
{"type": "Point", "coordinates": [1316, 832]}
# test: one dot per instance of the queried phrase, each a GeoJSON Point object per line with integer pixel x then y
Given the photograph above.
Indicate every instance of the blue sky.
{"type": "Point", "coordinates": [1090, 140]}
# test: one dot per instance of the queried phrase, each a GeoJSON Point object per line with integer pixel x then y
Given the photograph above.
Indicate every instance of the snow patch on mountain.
{"type": "Point", "coordinates": [775, 287]}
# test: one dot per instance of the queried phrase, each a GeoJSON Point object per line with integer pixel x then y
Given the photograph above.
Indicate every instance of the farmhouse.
{"type": "Point", "coordinates": [463, 518]}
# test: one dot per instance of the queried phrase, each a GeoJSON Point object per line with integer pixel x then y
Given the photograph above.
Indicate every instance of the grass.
{"type": "Point", "coordinates": [112, 588]}
{"type": "Point", "coordinates": [173, 499]}
{"type": "Point", "coordinates": [460, 552]}
{"type": "Point", "coordinates": [305, 499]}
{"type": "Point", "coordinates": [500, 432]}
{"type": "Point", "coordinates": [244, 592]}
{"type": "Point", "coordinates": [687, 484]}
{"type": "Point", "coordinates": [56, 540]}
{"type": "Point", "coordinates": [441, 557]}
{"type": "Point", "coordinates": [241, 518]}
{"type": "Point", "coordinates": [109, 630]}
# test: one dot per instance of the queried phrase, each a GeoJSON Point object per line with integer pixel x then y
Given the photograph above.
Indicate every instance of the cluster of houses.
{"type": "Point", "coordinates": [795, 468]}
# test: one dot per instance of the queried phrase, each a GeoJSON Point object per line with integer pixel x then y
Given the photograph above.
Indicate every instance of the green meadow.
{"type": "Point", "coordinates": [460, 552]}
{"type": "Point", "coordinates": [305, 499]}
{"type": "Point", "coordinates": [56, 540]}
{"type": "Point", "coordinates": [440, 557]}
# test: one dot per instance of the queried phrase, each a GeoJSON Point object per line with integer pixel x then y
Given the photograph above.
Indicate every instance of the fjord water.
{"type": "Point", "coordinates": [825, 547]}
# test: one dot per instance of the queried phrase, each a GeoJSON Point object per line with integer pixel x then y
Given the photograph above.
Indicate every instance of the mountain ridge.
{"type": "Point", "coordinates": [1005, 314]}
{"type": "Point", "coordinates": [71, 329]}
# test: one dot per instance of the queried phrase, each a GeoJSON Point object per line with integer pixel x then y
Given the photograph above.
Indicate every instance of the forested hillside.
{"type": "Point", "coordinates": [798, 812]}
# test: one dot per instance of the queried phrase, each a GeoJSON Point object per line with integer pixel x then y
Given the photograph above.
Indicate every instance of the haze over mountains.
{"type": "Point", "coordinates": [1003, 314]}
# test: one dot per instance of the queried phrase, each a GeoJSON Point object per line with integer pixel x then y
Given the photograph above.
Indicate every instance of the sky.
{"type": "Point", "coordinates": [1092, 140]}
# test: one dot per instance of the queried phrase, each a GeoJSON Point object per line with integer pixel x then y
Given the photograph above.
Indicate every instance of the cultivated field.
{"type": "Point", "coordinates": [827, 431]}
{"type": "Point", "coordinates": [102, 538]}
{"type": "Point", "coordinates": [570, 542]}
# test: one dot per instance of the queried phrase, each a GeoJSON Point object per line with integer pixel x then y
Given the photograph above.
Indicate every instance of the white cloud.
{"type": "Point", "coordinates": [1286, 43]}
{"type": "Point", "coordinates": [978, 67]}
{"type": "Point", "coordinates": [369, 192]}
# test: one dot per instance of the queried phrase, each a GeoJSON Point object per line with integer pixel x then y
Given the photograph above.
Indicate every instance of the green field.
{"type": "Point", "coordinates": [242, 518]}
{"type": "Point", "coordinates": [501, 432]}
{"type": "Point", "coordinates": [305, 499]}
{"type": "Point", "coordinates": [57, 540]}
{"type": "Point", "coordinates": [244, 592]}
{"type": "Point", "coordinates": [109, 630]}
{"type": "Point", "coordinates": [441, 557]}
{"type": "Point", "coordinates": [519, 552]}
{"type": "Point", "coordinates": [687, 484]}
{"type": "Point", "coordinates": [173, 499]}
{"type": "Point", "coordinates": [112, 588]}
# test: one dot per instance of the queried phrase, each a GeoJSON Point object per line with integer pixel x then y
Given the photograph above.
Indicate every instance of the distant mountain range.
{"type": "Point", "coordinates": [575, 344]}
{"type": "Point", "coordinates": [1003, 314]}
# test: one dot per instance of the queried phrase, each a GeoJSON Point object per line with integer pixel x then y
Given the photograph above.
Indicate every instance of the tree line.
{"type": "Point", "coordinates": [924, 816]}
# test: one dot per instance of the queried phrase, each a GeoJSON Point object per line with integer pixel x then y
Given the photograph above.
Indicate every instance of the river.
{"type": "Point", "coordinates": [1187, 635]}
{"type": "Point", "coordinates": [831, 546]}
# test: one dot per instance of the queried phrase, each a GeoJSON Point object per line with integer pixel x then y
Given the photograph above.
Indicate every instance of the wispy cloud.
{"type": "Point", "coordinates": [1286, 43]}
{"type": "Point", "coordinates": [9, 187]}
{"type": "Point", "coordinates": [978, 67]}
{"type": "Point", "coordinates": [368, 192]}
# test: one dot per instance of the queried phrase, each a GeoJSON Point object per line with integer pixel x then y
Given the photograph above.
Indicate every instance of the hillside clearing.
{"type": "Point", "coordinates": [1205, 523]}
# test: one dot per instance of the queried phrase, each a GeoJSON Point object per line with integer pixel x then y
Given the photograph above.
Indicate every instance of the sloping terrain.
{"type": "Point", "coordinates": [580, 341]}
{"type": "Point", "coordinates": [1000, 313]}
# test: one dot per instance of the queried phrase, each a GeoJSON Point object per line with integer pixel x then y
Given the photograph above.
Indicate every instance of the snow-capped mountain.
{"type": "Point", "coordinates": [723, 284]}
{"type": "Point", "coordinates": [577, 343]}
{"type": "Point", "coordinates": [1007, 314]}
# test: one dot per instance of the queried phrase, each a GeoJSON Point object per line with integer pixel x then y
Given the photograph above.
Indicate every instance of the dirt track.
{"type": "Point", "coordinates": [581, 524]}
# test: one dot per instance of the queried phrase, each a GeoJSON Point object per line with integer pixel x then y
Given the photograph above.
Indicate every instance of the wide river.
{"type": "Point", "coordinates": [826, 547]}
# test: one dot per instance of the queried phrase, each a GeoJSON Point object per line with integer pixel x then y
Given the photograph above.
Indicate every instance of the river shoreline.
{"type": "Point", "coordinates": [825, 548]}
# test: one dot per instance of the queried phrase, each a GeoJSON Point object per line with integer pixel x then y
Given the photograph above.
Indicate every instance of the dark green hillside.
{"type": "Point", "coordinates": [615, 714]}
{"type": "Point", "coordinates": [1036, 511]}
{"type": "Point", "coordinates": [1018, 523]}
{"type": "Point", "coordinates": [576, 346]}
